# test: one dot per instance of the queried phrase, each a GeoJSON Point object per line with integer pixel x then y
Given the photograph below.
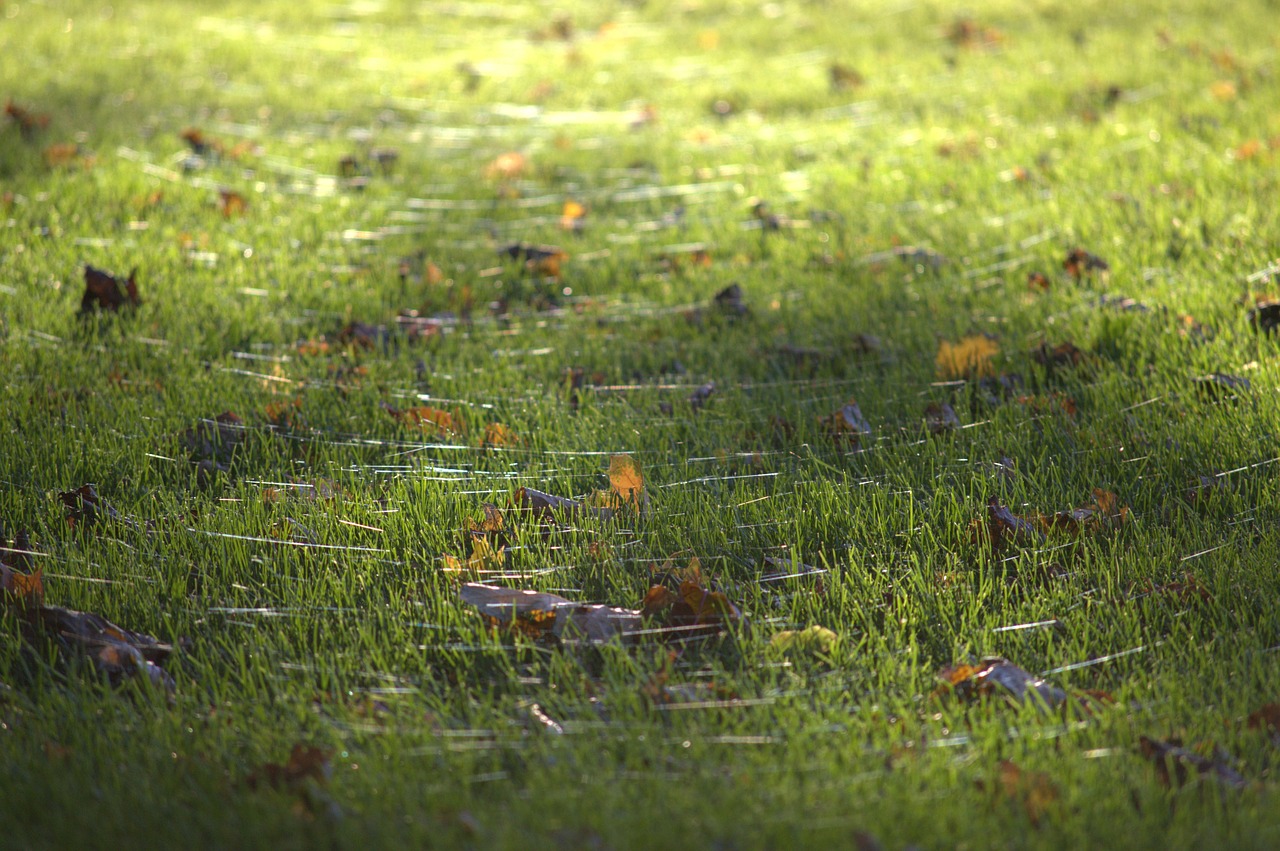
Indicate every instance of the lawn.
{"type": "Point", "coordinates": [876, 402]}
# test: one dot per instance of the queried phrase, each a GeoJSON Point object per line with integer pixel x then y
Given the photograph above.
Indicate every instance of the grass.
{"type": "Point", "coordinates": [1144, 135]}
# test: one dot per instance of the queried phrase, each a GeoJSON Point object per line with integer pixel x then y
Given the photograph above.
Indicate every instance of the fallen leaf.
{"type": "Point", "coordinates": [305, 775]}
{"type": "Point", "coordinates": [484, 558]}
{"type": "Point", "coordinates": [966, 32]}
{"type": "Point", "coordinates": [1220, 386]}
{"type": "Point", "coordinates": [549, 506]}
{"type": "Point", "coordinates": [65, 154]}
{"type": "Point", "coordinates": [1004, 527]}
{"type": "Point", "coordinates": [1063, 355]}
{"type": "Point", "coordinates": [1037, 281]}
{"type": "Point", "coordinates": [1265, 316]}
{"type": "Point", "coordinates": [1224, 90]}
{"type": "Point", "coordinates": [507, 166]}
{"type": "Point", "coordinates": [1034, 791]}
{"type": "Point", "coordinates": [21, 590]}
{"type": "Point", "coordinates": [573, 217]}
{"type": "Point", "coordinates": [426, 418]}
{"type": "Point", "coordinates": [1080, 264]}
{"type": "Point", "coordinates": [626, 480]}
{"type": "Point", "coordinates": [117, 652]}
{"type": "Point", "coordinates": [231, 203]}
{"type": "Point", "coordinates": [1172, 762]}
{"type": "Point", "coordinates": [536, 614]}
{"type": "Point", "coordinates": [103, 291]}
{"type": "Point", "coordinates": [844, 77]}
{"type": "Point", "coordinates": [969, 358]}
{"type": "Point", "coordinates": [814, 641]}
{"type": "Point", "coordinates": [699, 397]}
{"type": "Point", "coordinates": [847, 424]}
{"type": "Point", "coordinates": [29, 123]}
{"type": "Point", "coordinates": [997, 677]}
{"type": "Point", "coordinates": [1265, 718]}
{"type": "Point", "coordinates": [940, 417]}
{"type": "Point", "coordinates": [499, 436]}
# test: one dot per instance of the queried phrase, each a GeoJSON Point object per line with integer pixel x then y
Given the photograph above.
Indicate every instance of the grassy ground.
{"type": "Point", "coordinates": [917, 167]}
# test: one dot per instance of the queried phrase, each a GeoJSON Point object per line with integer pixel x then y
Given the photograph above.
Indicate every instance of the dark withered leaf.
{"type": "Point", "coordinates": [103, 291]}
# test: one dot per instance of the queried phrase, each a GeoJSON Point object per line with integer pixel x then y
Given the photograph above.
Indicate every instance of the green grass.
{"type": "Point", "coordinates": [999, 158]}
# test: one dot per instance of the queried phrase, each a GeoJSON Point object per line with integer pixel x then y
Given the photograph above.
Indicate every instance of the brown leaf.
{"type": "Point", "coordinates": [1005, 527]}
{"type": "Point", "coordinates": [307, 763]}
{"type": "Point", "coordinates": [1172, 762]}
{"type": "Point", "coordinates": [1063, 355]}
{"type": "Point", "coordinates": [1035, 791]}
{"type": "Point", "coordinates": [998, 677]}
{"type": "Point", "coordinates": [106, 292]}
{"type": "Point", "coordinates": [847, 424]}
{"type": "Point", "coordinates": [1219, 386]}
{"type": "Point", "coordinates": [843, 77]}
{"type": "Point", "coordinates": [66, 154]}
{"type": "Point", "coordinates": [1105, 512]}
{"type": "Point", "coordinates": [119, 653]}
{"type": "Point", "coordinates": [1265, 316]}
{"type": "Point", "coordinates": [1265, 718]}
{"type": "Point", "coordinates": [22, 590]}
{"type": "Point", "coordinates": [426, 418]}
{"type": "Point", "coordinates": [231, 203]}
{"type": "Point", "coordinates": [29, 123]}
{"type": "Point", "coordinates": [1080, 264]}
{"type": "Point", "coordinates": [940, 417]}
{"type": "Point", "coordinates": [215, 440]}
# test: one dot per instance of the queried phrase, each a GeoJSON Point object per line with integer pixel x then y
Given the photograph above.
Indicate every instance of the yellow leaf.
{"type": "Point", "coordinates": [969, 358]}
{"type": "Point", "coordinates": [626, 479]}
{"type": "Point", "coordinates": [483, 558]}
{"type": "Point", "coordinates": [573, 216]}
{"type": "Point", "coordinates": [812, 641]}
{"type": "Point", "coordinates": [496, 435]}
